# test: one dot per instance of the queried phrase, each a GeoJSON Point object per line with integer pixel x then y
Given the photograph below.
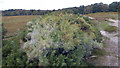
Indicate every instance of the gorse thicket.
{"type": "Point", "coordinates": [61, 39]}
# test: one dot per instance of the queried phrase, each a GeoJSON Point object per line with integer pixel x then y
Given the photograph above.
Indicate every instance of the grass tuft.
{"type": "Point", "coordinates": [111, 29]}
{"type": "Point", "coordinates": [110, 21]}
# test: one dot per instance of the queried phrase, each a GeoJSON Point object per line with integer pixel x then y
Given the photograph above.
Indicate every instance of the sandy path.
{"type": "Point", "coordinates": [114, 24]}
{"type": "Point", "coordinates": [111, 47]}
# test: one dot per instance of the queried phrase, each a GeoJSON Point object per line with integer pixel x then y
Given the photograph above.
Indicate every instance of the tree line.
{"type": "Point", "coordinates": [93, 8]}
{"type": "Point", "coordinates": [16, 12]}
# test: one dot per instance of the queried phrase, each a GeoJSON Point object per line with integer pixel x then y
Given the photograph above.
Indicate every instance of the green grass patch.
{"type": "Point", "coordinates": [117, 36]}
{"type": "Point", "coordinates": [110, 21]}
{"type": "Point", "coordinates": [104, 25]}
{"type": "Point", "coordinates": [111, 29]}
{"type": "Point", "coordinates": [113, 18]}
{"type": "Point", "coordinates": [106, 38]}
{"type": "Point", "coordinates": [119, 57]}
{"type": "Point", "coordinates": [118, 18]}
{"type": "Point", "coordinates": [99, 52]}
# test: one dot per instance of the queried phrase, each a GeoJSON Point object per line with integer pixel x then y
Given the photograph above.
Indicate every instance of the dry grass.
{"type": "Point", "coordinates": [104, 15]}
{"type": "Point", "coordinates": [13, 23]}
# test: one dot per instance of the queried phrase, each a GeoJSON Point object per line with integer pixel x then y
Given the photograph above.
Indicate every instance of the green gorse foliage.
{"type": "Point", "coordinates": [12, 54]}
{"type": "Point", "coordinates": [61, 39]}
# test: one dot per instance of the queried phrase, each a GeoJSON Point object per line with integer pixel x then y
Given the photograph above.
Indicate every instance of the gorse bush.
{"type": "Point", "coordinates": [4, 31]}
{"type": "Point", "coordinates": [61, 40]}
{"type": "Point", "coordinates": [12, 54]}
{"type": "Point", "coordinates": [52, 40]}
